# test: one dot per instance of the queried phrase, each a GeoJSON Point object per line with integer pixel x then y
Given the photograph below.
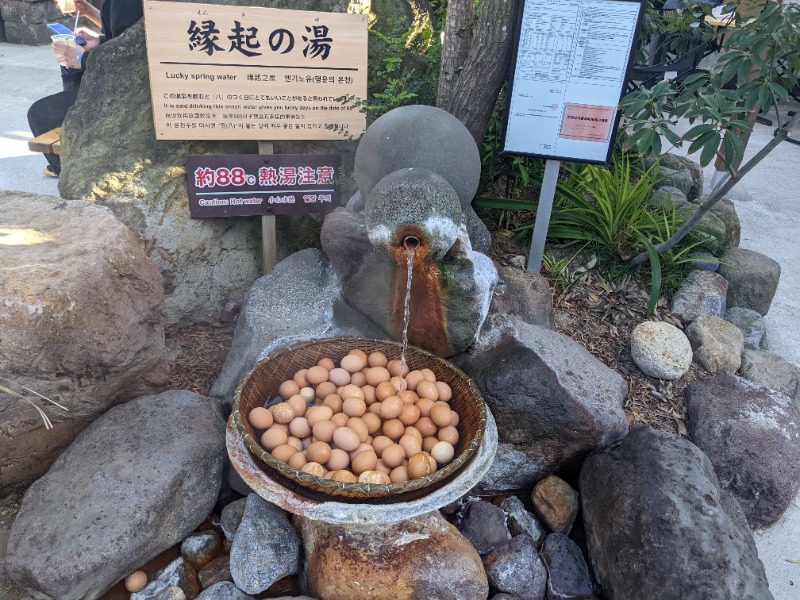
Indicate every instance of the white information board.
{"type": "Point", "coordinates": [570, 69]}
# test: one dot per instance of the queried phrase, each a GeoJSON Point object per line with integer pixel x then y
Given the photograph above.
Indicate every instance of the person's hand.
{"type": "Point", "coordinates": [86, 9]}
{"type": "Point", "coordinates": [68, 56]}
{"type": "Point", "coordinates": [91, 37]}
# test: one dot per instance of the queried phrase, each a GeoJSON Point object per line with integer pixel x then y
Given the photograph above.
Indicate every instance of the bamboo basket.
{"type": "Point", "coordinates": [261, 384]}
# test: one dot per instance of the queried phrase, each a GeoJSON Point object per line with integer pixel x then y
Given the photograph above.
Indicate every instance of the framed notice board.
{"type": "Point", "coordinates": [571, 64]}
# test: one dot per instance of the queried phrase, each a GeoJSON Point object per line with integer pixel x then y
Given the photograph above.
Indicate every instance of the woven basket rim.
{"type": "Point", "coordinates": [352, 490]}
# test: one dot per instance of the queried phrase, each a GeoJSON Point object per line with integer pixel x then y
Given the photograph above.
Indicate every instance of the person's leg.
{"type": "Point", "coordinates": [48, 113]}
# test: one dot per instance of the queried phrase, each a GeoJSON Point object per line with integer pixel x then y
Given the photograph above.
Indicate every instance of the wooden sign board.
{"type": "Point", "coordinates": [571, 64]}
{"type": "Point", "coordinates": [249, 73]}
{"type": "Point", "coordinates": [244, 185]}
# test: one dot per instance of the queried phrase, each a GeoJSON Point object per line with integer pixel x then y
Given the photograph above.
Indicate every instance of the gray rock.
{"type": "Point", "coordinates": [567, 573]}
{"type": "Point", "coordinates": [217, 571]}
{"type": "Point", "coordinates": [231, 518]}
{"type": "Point", "coordinates": [419, 136]}
{"type": "Point", "coordinates": [520, 521]}
{"type": "Point", "coordinates": [679, 178]}
{"type": "Point", "coordinates": [751, 434]}
{"type": "Point", "coordinates": [479, 235]}
{"type": "Point", "coordinates": [525, 295]}
{"type": "Point", "coordinates": [266, 547]}
{"type": "Point", "coordinates": [555, 502]}
{"type": "Point", "coordinates": [515, 567]}
{"type": "Point", "coordinates": [657, 486]}
{"type": "Point", "coordinates": [751, 324]}
{"type": "Point", "coordinates": [772, 371]}
{"type": "Point", "coordinates": [668, 197]}
{"type": "Point", "coordinates": [201, 547]}
{"type": "Point", "coordinates": [345, 242]}
{"type": "Point", "coordinates": [484, 525]}
{"type": "Point", "coordinates": [224, 590]}
{"type": "Point", "coordinates": [752, 279]}
{"type": "Point", "coordinates": [173, 582]}
{"type": "Point", "coordinates": [356, 202]}
{"type": "Point", "coordinates": [704, 260]}
{"type": "Point", "coordinates": [725, 211]}
{"type": "Point", "coordinates": [661, 350]}
{"type": "Point", "coordinates": [80, 315]}
{"type": "Point", "coordinates": [702, 293]}
{"type": "Point", "coordinates": [677, 162]}
{"type": "Point", "coordinates": [717, 344]}
{"type": "Point", "coordinates": [134, 466]}
{"type": "Point", "coordinates": [710, 229]}
{"type": "Point", "coordinates": [554, 403]}
{"type": "Point", "coordinates": [503, 596]}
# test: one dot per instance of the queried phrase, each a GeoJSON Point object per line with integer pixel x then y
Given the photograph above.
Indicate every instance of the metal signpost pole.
{"type": "Point", "coordinates": [546, 196]}
{"type": "Point", "coordinates": [269, 242]}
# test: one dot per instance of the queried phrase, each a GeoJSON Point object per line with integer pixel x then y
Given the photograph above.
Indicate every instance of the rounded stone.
{"type": "Point", "coordinates": [419, 136]}
{"type": "Point", "coordinates": [661, 350]}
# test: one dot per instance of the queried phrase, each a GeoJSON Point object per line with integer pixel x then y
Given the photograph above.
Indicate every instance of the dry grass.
{"type": "Point", "coordinates": [204, 347]}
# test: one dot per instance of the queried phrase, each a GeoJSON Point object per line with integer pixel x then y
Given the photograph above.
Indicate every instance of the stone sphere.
{"type": "Point", "coordinates": [419, 136]}
{"type": "Point", "coordinates": [661, 350]}
{"type": "Point", "coordinates": [414, 202]}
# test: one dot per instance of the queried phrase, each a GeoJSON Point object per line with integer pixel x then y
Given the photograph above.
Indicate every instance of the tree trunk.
{"type": "Point", "coordinates": [475, 58]}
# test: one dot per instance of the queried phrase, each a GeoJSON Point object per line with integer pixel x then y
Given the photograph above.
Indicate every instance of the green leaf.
{"type": "Point", "coordinates": [655, 273]}
{"type": "Point", "coordinates": [709, 150]}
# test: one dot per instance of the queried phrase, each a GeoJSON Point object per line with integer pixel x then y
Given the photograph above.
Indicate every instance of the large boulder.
{"type": "Point", "coordinates": [135, 482]}
{"type": "Point", "coordinates": [554, 403]}
{"type": "Point", "coordinates": [752, 436]}
{"type": "Point", "coordinates": [658, 525]}
{"type": "Point", "coordinates": [24, 21]}
{"type": "Point", "coordinates": [751, 324]}
{"type": "Point", "coordinates": [702, 293]}
{"type": "Point", "coordinates": [80, 315]}
{"type": "Point", "coordinates": [525, 295]}
{"type": "Point", "coordinates": [717, 344]}
{"type": "Point", "coordinates": [752, 278]}
{"type": "Point", "coordinates": [770, 370]}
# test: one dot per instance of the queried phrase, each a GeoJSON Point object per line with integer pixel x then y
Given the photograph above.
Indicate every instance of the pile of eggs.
{"type": "Point", "coordinates": [369, 420]}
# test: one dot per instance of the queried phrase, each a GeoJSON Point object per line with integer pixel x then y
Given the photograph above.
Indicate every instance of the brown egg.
{"type": "Point", "coordinates": [373, 422]}
{"type": "Point", "coordinates": [445, 393]}
{"type": "Point", "coordinates": [326, 388]}
{"type": "Point", "coordinates": [300, 378]}
{"type": "Point", "coordinates": [340, 419]}
{"type": "Point", "coordinates": [376, 375]}
{"type": "Point", "coordinates": [298, 460]}
{"type": "Point", "coordinates": [354, 407]}
{"type": "Point", "coordinates": [399, 384]}
{"type": "Point", "coordinates": [384, 390]}
{"type": "Point", "coordinates": [319, 452]}
{"type": "Point", "coordinates": [316, 375]}
{"type": "Point", "coordinates": [328, 474]}
{"type": "Point", "coordinates": [339, 460]}
{"type": "Point", "coordinates": [377, 359]}
{"type": "Point", "coordinates": [313, 468]}
{"type": "Point", "coordinates": [353, 363]}
{"type": "Point", "coordinates": [393, 455]}
{"type": "Point", "coordinates": [410, 444]}
{"type": "Point", "coordinates": [339, 376]}
{"type": "Point", "coordinates": [352, 391]}
{"type": "Point", "coordinates": [136, 581]}
{"type": "Point", "coordinates": [369, 394]}
{"type": "Point", "coordinates": [358, 379]}
{"type": "Point", "coordinates": [413, 431]}
{"type": "Point", "coordinates": [393, 429]}
{"type": "Point", "coordinates": [440, 414]}
{"type": "Point", "coordinates": [364, 461]}
{"type": "Point", "coordinates": [454, 419]}
{"type": "Point", "coordinates": [424, 405]}
{"type": "Point", "coordinates": [419, 465]}
{"type": "Point", "coordinates": [426, 389]}
{"type": "Point", "coordinates": [272, 438]}
{"type": "Point", "coordinates": [344, 476]}
{"type": "Point", "coordinates": [363, 447]}
{"type": "Point", "coordinates": [358, 425]}
{"type": "Point", "coordinates": [300, 428]}
{"type": "Point", "coordinates": [426, 426]}
{"type": "Point", "coordinates": [296, 442]}
{"type": "Point", "coordinates": [326, 362]}
{"type": "Point", "coordinates": [360, 353]}
{"type": "Point", "coordinates": [334, 402]}
{"type": "Point", "coordinates": [298, 404]}
{"type": "Point", "coordinates": [399, 474]}
{"type": "Point", "coordinates": [428, 375]}
{"type": "Point", "coordinates": [382, 468]}
{"type": "Point", "coordinates": [260, 417]}
{"type": "Point", "coordinates": [428, 443]}
{"type": "Point", "coordinates": [346, 439]}
{"type": "Point", "coordinates": [409, 414]}
{"type": "Point", "coordinates": [448, 434]}
{"type": "Point", "coordinates": [323, 431]}
{"type": "Point", "coordinates": [308, 394]}
{"type": "Point", "coordinates": [408, 396]}
{"type": "Point", "coordinates": [288, 389]}
{"type": "Point", "coordinates": [391, 407]}
{"type": "Point", "coordinates": [413, 378]}
{"type": "Point", "coordinates": [443, 452]}
{"type": "Point", "coordinates": [374, 408]}
{"type": "Point", "coordinates": [373, 477]}
{"type": "Point", "coordinates": [397, 368]}
{"type": "Point", "coordinates": [284, 452]}
{"type": "Point", "coordinates": [282, 412]}
{"type": "Point", "coordinates": [380, 443]}
{"type": "Point", "coordinates": [307, 441]}
{"type": "Point", "coordinates": [434, 465]}
{"type": "Point", "coordinates": [281, 427]}
{"type": "Point", "coordinates": [315, 414]}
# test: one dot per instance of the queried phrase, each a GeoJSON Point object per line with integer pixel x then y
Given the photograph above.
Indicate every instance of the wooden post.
{"type": "Point", "coordinates": [269, 243]}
